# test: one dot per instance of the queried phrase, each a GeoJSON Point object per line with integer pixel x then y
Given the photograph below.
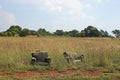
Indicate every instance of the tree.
{"type": "Point", "coordinates": [15, 29]}
{"type": "Point", "coordinates": [116, 32]}
{"type": "Point", "coordinates": [91, 31]}
{"type": "Point", "coordinates": [66, 33]}
{"type": "Point", "coordinates": [74, 33]}
{"type": "Point", "coordinates": [12, 31]}
{"type": "Point", "coordinates": [24, 32]}
{"type": "Point", "coordinates": [5, 33]}
{"type": "Point", "coordinates": [33, 32]}
{"type": "Point", "coordinates": [42, 32]}
{"type": "Point", "coordinates": [82, 33]}
{"type": "Point", "coordinates": [2, 33]}
{"type": "Point", "coordinates": [104, 33]}
{"type": "Point", "coordinates": [59, 33]}
{"type": "Point", "coordinates": [9, 33]}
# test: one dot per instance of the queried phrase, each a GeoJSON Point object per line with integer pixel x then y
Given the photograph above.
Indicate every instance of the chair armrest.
{"type": "Point", "coordinates": [33, 60]}
{"type": "Point", "coordinates": [48, 60]}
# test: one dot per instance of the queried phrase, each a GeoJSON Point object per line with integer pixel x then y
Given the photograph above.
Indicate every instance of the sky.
{"type": "Point", "coordinates": [60, 14]}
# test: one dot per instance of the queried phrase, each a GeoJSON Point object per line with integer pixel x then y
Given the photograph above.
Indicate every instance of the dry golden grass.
{"type": "Point", "coordinates": [99, 52]}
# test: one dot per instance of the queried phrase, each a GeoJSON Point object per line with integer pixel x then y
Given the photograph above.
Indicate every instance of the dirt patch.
{"type": "Point", "coordinates": [20, 74]}
{"type": "Point", "coordinates": [92, 73]}
{"type": "Point", "coordinates": [53, 73]}
{"type": "Point", "coordinates": [32, 73]}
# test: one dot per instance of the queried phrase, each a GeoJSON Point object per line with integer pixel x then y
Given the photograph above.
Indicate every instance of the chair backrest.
{"type": "Point", "coordinates": [72, 57]}
{"type": "Point", "coordinates": [40, 56]}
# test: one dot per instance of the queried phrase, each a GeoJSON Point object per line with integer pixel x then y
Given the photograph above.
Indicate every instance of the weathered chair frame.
{"type": "Point", "coordinates": [69, 59]}
{"type": "Point", "coordinates": [40, 58]}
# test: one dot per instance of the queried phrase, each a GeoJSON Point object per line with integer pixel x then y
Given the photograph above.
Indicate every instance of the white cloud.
{"type": "Point", "coordinates": [64, 7]}
{"type": "Point", "coordinates": [53, 5]}
{"type": "Point", "coordinates": [70, 6]}
{"type": "Point", "coordinates": [67, 6]}
{"type": "Point", "coordinates": [99, 1]}
{"type": "Point", "coordinates": [6, 19]}
{"type": "Point", "coordinates": [88, 5]}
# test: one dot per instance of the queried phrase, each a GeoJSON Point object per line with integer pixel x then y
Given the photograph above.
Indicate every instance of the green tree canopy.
{"type": "Point", "coordinates": [74, 33]}
{"type": "Point", "coordinates": [82, 33]}
{"type": "Point", "coordinates": [24, 32]}
{"type": "Point", "coordinates": [15, 29]}
{"type": "Point", "coordinates": [91, 31]}
{"type": "Point", "coordinates": [116, 32]}
{"type": "Point", "coordinates": [104, 33]}
{"type": "Point", "coordinates": [42, 32]}
{"type": "Point", "coordinates": [59, 33]}
{"type": "Point", "coordinates": [33, 32]}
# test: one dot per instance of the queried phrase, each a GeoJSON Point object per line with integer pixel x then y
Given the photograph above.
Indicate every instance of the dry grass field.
{"type": "Point", "coordinates": [101, 54]}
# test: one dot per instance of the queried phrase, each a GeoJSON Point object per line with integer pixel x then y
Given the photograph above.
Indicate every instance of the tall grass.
{"type": "Point", "coordinates": [15, 52]}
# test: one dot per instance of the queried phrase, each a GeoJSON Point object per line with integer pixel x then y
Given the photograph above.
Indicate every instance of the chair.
{"type": "Point", "coordinates": [73, 57]}
{"type": "Point", "coordinates": [40, 58]}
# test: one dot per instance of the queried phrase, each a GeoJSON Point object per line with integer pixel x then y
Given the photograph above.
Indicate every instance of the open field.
{"type": "Point", "coordinates": [101, 54]}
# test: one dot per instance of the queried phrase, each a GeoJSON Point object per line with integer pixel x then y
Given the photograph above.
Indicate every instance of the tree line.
{"type": "Point", "coordinates": [90, 31]}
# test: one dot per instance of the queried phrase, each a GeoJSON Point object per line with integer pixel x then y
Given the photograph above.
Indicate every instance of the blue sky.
{"type": "Point", "coordinates": [60, 14]}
